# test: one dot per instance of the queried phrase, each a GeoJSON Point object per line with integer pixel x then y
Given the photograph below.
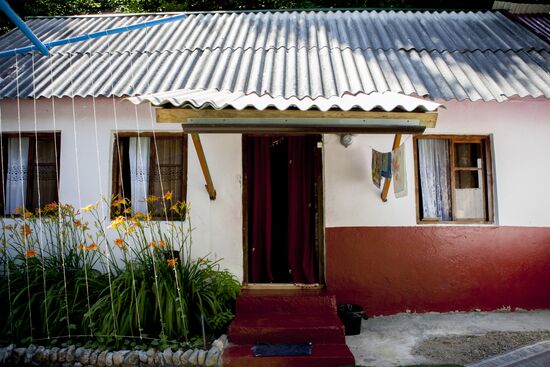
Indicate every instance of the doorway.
{"type": "Point", "coordinates": [283, 227]}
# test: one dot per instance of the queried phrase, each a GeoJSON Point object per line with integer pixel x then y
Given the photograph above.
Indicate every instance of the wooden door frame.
{"type": "Point", "coordinates": [320, 226]}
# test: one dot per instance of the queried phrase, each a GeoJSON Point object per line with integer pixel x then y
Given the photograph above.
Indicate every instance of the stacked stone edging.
{"type": "Point", "coordinates": [73, 356]}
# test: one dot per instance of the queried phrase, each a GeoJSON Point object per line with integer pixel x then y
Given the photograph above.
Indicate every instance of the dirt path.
{"type": "Point", "coordinates": [465, 349]}
{"type": "Point", "coordinates": [455, 337]}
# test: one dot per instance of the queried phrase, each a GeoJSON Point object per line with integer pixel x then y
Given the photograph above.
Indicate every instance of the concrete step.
{"type": "Point", "coordinates": [323, 355]}
{"type": "Point", "coordinates": [279, 329]}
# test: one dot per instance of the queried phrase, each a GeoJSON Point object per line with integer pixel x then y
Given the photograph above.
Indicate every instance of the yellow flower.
{"type": "Point", "coordinates": [80, 247]}
{"type": "Point", "coordinates": [118, 202]}
{"type": "Point", "coordinates": [27, 215]}
{"type": "Point", "coordinates": [88, 208]}
{"type": "Point", "coordinates": [30, 253]}
{"type": "Point", "coordinates": [117, 222]}
{"type": "Point", "coordinates": [172, 262]}
{"type": "Point", "coordinates": [18, 210]}
{"type": "Point", "coordinates": [92, 246]}
{"type": "Point", "coordinates": [168, 195]}
{"type": "Point", "coordinates": [131, 229]}
{"type": "Point", "coordinates": [152, 199]}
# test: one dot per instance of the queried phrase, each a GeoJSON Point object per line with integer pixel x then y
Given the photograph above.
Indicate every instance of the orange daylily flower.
{"type": "Point", "coordinates": [168, 195]}
{"type": "Point", "coordinates": [51, 206]}
{"type": "Point", "coordinates": [152, 198]}
{"type": "Point", "coordinates": [80, 247]}
{"type": "Point", "coordinates": [25, 230]}
{"type": "Point", "coordinates": [162, 244]}
{"type": "Point", "coordinates": [172, 262]}
{"type": "Point", "coordinates": [30, 253]}
{"type": "Point", "coordinates": [152, 244]}
{"type": "Point", "coordinates": [92, 246]}
{"type": "Point", "coordinates": [119, 242]}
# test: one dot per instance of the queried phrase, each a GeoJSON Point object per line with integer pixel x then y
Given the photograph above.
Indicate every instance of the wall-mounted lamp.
{"type": "Point", "coordinates": [346, 139]}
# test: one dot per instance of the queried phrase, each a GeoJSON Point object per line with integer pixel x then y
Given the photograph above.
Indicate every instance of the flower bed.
{"type": "Point", "coordinates": [129, 282]}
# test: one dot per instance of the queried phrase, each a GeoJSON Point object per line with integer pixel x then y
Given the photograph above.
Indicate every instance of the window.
{"type": "Point", "coordinates": [29, 167]}
{"type": "Point", "coordinates": [149, 166]}
{"type": "Point", "coordinates": [454, 180]}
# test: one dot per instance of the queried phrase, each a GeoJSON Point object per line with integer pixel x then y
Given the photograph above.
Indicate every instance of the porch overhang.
{"type": "Point", "coordinates": [207, 111]}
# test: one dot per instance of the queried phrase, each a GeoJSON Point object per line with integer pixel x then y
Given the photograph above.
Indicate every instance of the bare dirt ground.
{"type": "Point", "coordinates": [464, 349]}
{"type": "Point", "coordinates": [437, 338]}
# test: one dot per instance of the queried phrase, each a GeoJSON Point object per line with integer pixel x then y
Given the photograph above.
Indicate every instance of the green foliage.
{"type": "Point", "coordinates": [61, 274]}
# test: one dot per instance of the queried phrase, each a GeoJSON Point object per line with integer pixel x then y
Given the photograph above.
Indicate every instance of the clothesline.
{"type": "Point", "coordinates": [381, 151]}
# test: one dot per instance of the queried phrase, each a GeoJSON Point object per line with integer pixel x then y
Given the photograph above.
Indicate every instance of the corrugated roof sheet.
{"type": "Point", "coordinates": [198, 99]}
{"type": "Point", "coordinates": [537, 23]}
{"type": "Point", "coordinates": [440, 55]}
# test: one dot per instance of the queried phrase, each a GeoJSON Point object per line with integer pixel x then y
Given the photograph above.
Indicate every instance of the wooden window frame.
{"type": "Point", "coordinates": [116, 185]}
{"type": "Point", "coordinates": [33, 137]}
{"type": "Point", "coordinates": [487, 170]}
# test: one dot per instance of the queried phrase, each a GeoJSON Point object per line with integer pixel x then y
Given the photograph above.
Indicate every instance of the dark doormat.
{"type": "Point", "coordinates": [272, 350]}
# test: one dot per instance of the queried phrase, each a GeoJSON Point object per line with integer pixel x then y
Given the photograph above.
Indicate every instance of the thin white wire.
{"type": "Point", "coordinates": [145, 184]}
{"type": "Point", "coordinates": [3, 224]}
{"type": "Point", "coordinates": [24, 237]}
{"type": "Point", "coordinates": [152, 119]}
{"type": "Point", "coordinates": [40, 238]}
{"type": "Point", "coordinates": [98, 159]}
{"type": "Point", "coordinates": [60, 229]}
{"type": "Point", "coordinates": [78, 183]}
{"type": "Point", "coordinates": [401, 144]}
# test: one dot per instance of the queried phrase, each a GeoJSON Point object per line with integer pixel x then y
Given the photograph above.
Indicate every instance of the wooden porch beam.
{"type": "Point", "coordinates": [387, 181]}
{"type": "Point", "coordinates": [181, 115]}
{"type": "Point", "coordinates": [204, 166]}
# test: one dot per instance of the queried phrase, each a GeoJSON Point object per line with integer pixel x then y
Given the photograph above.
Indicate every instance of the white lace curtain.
{"type": "Point", "coordinates": [433, 163]}
{"type": "Point", "coordinates": [16, 174]}
{"type": "Point", "coordinates": [139, 173]}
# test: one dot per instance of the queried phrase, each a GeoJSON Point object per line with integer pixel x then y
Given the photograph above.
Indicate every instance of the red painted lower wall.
{"type": "Point", "coordinates": [394, 269]}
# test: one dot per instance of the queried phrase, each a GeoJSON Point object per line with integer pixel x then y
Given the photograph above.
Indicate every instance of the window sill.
{"type": "Point", "coordinates": [456, 223]}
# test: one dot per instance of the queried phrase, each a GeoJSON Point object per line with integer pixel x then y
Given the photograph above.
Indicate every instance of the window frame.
{"type": "Point", "coordinates": [116, 181]}
{"type": "Point", "coordinates": [33, 137]}
{"type": "Point", "coordinates": [487, 169]}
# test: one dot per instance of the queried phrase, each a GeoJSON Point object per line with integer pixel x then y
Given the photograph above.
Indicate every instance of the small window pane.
{"type": "Point", "coordinates": [469, 204]}
{"type": "Point", "coordinates": [167, 174]}
{"type": "Point", "coordinates": [44, 173]}
{"type": "Point", "coordinates": [468, 155]}
{"type": "Point", "coordinates": [468, 179]}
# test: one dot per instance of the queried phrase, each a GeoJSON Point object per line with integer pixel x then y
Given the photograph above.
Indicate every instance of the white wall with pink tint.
{"type": "Point", "coordinates": [520, 134]}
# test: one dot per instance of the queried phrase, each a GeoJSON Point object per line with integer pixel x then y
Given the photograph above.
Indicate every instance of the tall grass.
{"type": "Point", "coordinates": [110, 281]}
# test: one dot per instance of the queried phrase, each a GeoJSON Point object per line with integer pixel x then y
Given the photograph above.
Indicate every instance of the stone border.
{"type": "Point", "coordinates": [79, 357]}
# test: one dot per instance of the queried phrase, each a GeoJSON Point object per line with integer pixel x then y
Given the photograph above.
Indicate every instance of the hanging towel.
{"type": "Point", "coordinates": [375, 167]}
{"type": "Point", "coordinates": [399, 172]}
{"type": "Point", "coordinates": [386, 165]}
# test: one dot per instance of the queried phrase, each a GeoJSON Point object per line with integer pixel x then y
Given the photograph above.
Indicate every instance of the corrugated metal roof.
{"type": "Point", "coordinates": [197, 99]}
{"type": "Point", "coordinates": [537, 23]}
{"type": "Point", "coordinates": [474, 55]}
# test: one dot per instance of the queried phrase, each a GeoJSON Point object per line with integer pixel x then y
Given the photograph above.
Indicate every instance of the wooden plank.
{"type": "Point", "coordinates": [387, 181]}
{"type": "Point", "coordinates": [180, 115]}
{"type": "Point", "coordinates": [204, 166]}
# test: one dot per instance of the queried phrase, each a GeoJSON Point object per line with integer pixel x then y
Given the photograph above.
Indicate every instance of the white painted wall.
{"type": "Point", "coordinates": [521, 139]}
{"type": "Point", "coordinates": [520, 130]}
{"type": "Point", "coordinates": [218, 224]}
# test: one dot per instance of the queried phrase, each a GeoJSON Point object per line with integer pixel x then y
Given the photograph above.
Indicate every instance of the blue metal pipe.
{"type": "Point", "coordinates": [6, 8]}
{"type": "Point", "coordinates": [98, 34]}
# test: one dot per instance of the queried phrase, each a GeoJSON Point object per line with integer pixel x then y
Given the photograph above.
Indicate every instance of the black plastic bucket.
{"type": "Point", "coordinates": [351, 316]}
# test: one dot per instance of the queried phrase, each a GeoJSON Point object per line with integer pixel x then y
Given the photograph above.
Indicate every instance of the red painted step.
{"type": "Point", "coordinates": [299, 328]}
{"type": "Point", "coordinates": [276, 317]}
{"type": "Point", "coordinates": [331, 355]}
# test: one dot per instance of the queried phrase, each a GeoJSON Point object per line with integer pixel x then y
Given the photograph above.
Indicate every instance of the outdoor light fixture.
{"type": "Point", "coordinates": [346, 139]}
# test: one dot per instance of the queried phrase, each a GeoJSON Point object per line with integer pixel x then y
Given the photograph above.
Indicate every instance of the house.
{"type": "Point", "coordinates": [284, 110]}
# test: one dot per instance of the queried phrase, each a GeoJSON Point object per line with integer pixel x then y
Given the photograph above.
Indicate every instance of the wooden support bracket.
{"type": "Point", "coordinates": [387, 181]}
{"type": "Point", "coordinates": [204, 166]}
